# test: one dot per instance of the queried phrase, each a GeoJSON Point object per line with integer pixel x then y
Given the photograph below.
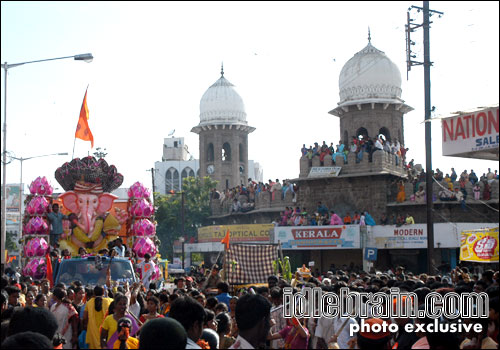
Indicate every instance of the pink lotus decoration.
{"type": "Point", "coordinates": [143, 246]}
{"type": "Point", "coordinates": [156, 274]}
{"type": "Point", "coordinates": [36, 268]}
{"type": "Point", "coordinates": [137, 190]}
{"type": "Point", "coordinates": [37, 206]}
{"type": "Point", "coordinates": [41, 187]}
{"type": "Point", "coordinates": [36, 247]}
{"type": "Point", "coordinates": [142, 209]}
{"type": "Point", "coordinates": [36, 226]}
{"type": "Point", "coordinates": [144, 227]}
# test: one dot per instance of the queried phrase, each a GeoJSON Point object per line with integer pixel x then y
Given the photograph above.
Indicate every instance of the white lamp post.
{"type": "Point", "coordinates": [87, 57]}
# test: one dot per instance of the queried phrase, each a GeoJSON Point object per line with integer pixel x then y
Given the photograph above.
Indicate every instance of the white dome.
{"type": "Point", "coordinates": [221, 104]}
{"type": "Point", "coordinates": [369, 76]}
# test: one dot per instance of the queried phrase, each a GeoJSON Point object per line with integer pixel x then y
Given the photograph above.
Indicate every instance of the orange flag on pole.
{"type": "Point", "coordinates": [50, 276]}
{"type": "Point", "coordinates": [82, 129]}
{"type": "Point", "coordinates": [225, 240]}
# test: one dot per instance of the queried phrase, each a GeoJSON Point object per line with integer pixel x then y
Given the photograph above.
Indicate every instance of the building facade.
{"type": "Point", "coordinates": [223, 132]}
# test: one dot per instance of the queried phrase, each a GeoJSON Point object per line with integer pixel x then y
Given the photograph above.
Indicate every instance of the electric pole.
{"type": "Point", "coordinates": [410, 27]}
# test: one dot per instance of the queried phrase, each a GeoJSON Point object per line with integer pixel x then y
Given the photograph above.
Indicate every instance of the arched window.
{"type": "Point", "coordinates": [172, 180]}
{"type": "Point", "coordinates": [362, 132]}
{"type": "Point", "coordinates": [186, 173]}
{"type": "Point", "coordinates": [241, 153]}
{"type": "Point", "coordinates": [210, 152]}
{"type": "Point", "coordinates": [226, 152]}
{"type": "Point", "coordinates": [384, 131]}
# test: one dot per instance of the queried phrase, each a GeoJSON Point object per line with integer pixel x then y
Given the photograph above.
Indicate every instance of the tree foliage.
{"type": "Point", "coordinates": [10, 241]}
{"type": "Point", "coordinates": [196, 210]}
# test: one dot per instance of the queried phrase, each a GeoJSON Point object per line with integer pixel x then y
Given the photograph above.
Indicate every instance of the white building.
{"type": "Point", "coordinates": [177, 164]}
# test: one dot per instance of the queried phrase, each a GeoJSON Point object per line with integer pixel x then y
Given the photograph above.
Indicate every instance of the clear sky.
{"type": "Point", "coordinates": [153, 62]}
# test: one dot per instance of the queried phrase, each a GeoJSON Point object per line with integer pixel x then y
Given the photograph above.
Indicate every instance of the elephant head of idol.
{"type": "Point", "coordinates": [88, 183]}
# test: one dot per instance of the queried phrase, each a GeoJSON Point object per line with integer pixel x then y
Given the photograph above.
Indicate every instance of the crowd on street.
{"type": "Point", "coordinates": [202, 311]}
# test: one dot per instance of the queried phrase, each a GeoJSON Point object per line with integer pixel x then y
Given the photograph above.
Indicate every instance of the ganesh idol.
{"type": "Point", "coordinates": [88, 183]}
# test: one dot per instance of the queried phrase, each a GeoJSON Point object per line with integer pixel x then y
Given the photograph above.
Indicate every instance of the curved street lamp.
{"type": "Point", "coordinates": [86, 57]}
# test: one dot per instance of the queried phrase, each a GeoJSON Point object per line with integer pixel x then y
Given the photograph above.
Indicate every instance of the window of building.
{"type": "Point", "coordinates": [226, 152]}
{"type": "Point", "coordinates": [210, 152]}
{"type": "Point", "coordinates": [384, 131]}
{"type": "Point", "coordinates": [241, 153]}
{"type": "Point", "coordinates": [362, 132]}
{"type": "Point", "coordinates": [172, 180]}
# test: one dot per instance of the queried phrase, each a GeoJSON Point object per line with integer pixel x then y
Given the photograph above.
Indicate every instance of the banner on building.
{"type": "Point", "coordinates": [472, 134]}
{"type": "Point", "coordinates": [318, 237]}
{"type": "Point", "coordinates": [406, 236]}
{"type": "Point", "coordinates": [250, 263]}
{"type": "Point", "coordinates": [325, 171]}
{"type": "Point", "coordinates": [237, 233]}
{"type": "Point", "coordinates": [13, 197]}
{"type": "Point", "coordinates": [479, 245]}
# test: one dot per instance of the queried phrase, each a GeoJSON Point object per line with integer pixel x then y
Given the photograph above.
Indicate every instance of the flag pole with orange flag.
{"type": "Point", "coordinates": [225, 241]}
{"type": "Point", "coordinates": [50, 275]}
{"type": "Point", "coordinates": [82, 128]}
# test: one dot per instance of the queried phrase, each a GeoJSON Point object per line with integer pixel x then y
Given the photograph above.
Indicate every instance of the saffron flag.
{"type": "Point", "coordinates": [225, 240]}
{"type": "Point", "coordinates": [50, 275]}
{"type": "Point", "coordinates": [82, 129]}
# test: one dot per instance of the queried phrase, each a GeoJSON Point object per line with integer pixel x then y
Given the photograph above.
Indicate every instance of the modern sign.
{"type": "Point", "coordinates": [446, 235]}
{"type": "Point", "coordinates": [474, 134]}
{"type": "Point", "coordinates": [324, 171]}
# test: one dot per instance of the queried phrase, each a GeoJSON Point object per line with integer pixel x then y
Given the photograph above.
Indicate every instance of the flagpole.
{"type": "Point", "coordinates": [73, 154]}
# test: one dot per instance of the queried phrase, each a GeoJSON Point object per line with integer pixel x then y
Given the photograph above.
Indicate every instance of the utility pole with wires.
{"type": "Point", "coordinates": [153, 183]}
{"type": "Point", "coordinates": [411, 27]}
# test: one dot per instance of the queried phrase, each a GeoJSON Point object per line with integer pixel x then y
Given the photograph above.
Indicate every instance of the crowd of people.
{"type": "Point", "coordinates": [322, 216]}
{"type": "Point", "coordinates": [359, 146]}
{"type": "Point", "coordinates": [468, 186]}
{"type": "Point", "coordinates": [233, 197]}
{"type": "Point", "coordinates": [203, 312]}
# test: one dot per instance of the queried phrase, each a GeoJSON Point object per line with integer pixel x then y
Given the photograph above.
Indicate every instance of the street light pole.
{"type": "Point", "coordinates": [21, 187]}
{"type": "Point", "coordinates": [87, 57]}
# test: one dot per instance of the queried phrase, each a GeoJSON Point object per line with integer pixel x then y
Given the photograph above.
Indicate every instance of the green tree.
{"type": "Point", "coordinates": [196, 210]}
{"type": "Point", "coordinates": [10, 243]}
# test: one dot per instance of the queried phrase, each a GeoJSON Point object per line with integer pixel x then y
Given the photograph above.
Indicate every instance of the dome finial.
{"type": "Point", "coordinates": [369, 36]}
{"type": "Point", "coordinates": [222, 69]}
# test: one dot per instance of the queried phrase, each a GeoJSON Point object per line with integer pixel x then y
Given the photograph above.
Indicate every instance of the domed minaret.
{"type": "Point", "coordinates": [223, 132]}
{"type": "Point", "coordinates": [370, 97]}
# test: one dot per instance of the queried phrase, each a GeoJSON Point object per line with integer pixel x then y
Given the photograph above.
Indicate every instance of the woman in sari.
{"type": "Point", "coordinates": [109, 329]}
{"type": "Point", "coordinates": [93, 316]}
{"type": "Point", "coordinates": [401, 193]}
{"type": "Point", "coordinates": [30, 299]}
{"type": "Point", "coordinates": [67, 318]}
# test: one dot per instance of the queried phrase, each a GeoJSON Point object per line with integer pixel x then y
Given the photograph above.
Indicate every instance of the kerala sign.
{"type": "Point", "coordinates": [237, 233]}
{"type": "Point", "coordinates": [318, 237]}
{"type": "Point", "coordinates": [324, 171]}
{"type": "Point", "coordinates": [474, 134]}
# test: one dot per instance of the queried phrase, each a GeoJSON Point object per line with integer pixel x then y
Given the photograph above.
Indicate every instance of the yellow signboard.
{"type": "Point", "coordinates": [237, 233]}
{"type": "Point", "coordinates": [479, 245]}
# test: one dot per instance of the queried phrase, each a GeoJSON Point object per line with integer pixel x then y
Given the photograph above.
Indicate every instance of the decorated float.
{"type": "Point", "coordinates": [93, 220]}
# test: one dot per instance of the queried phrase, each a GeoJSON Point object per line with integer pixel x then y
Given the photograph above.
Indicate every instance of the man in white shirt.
{"type": "Point", "coordinates": [147, 270]}
{"type": "Point", "coordinates": [119, 248]}
{"type": "Point", "coordinates": [327, 328]}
